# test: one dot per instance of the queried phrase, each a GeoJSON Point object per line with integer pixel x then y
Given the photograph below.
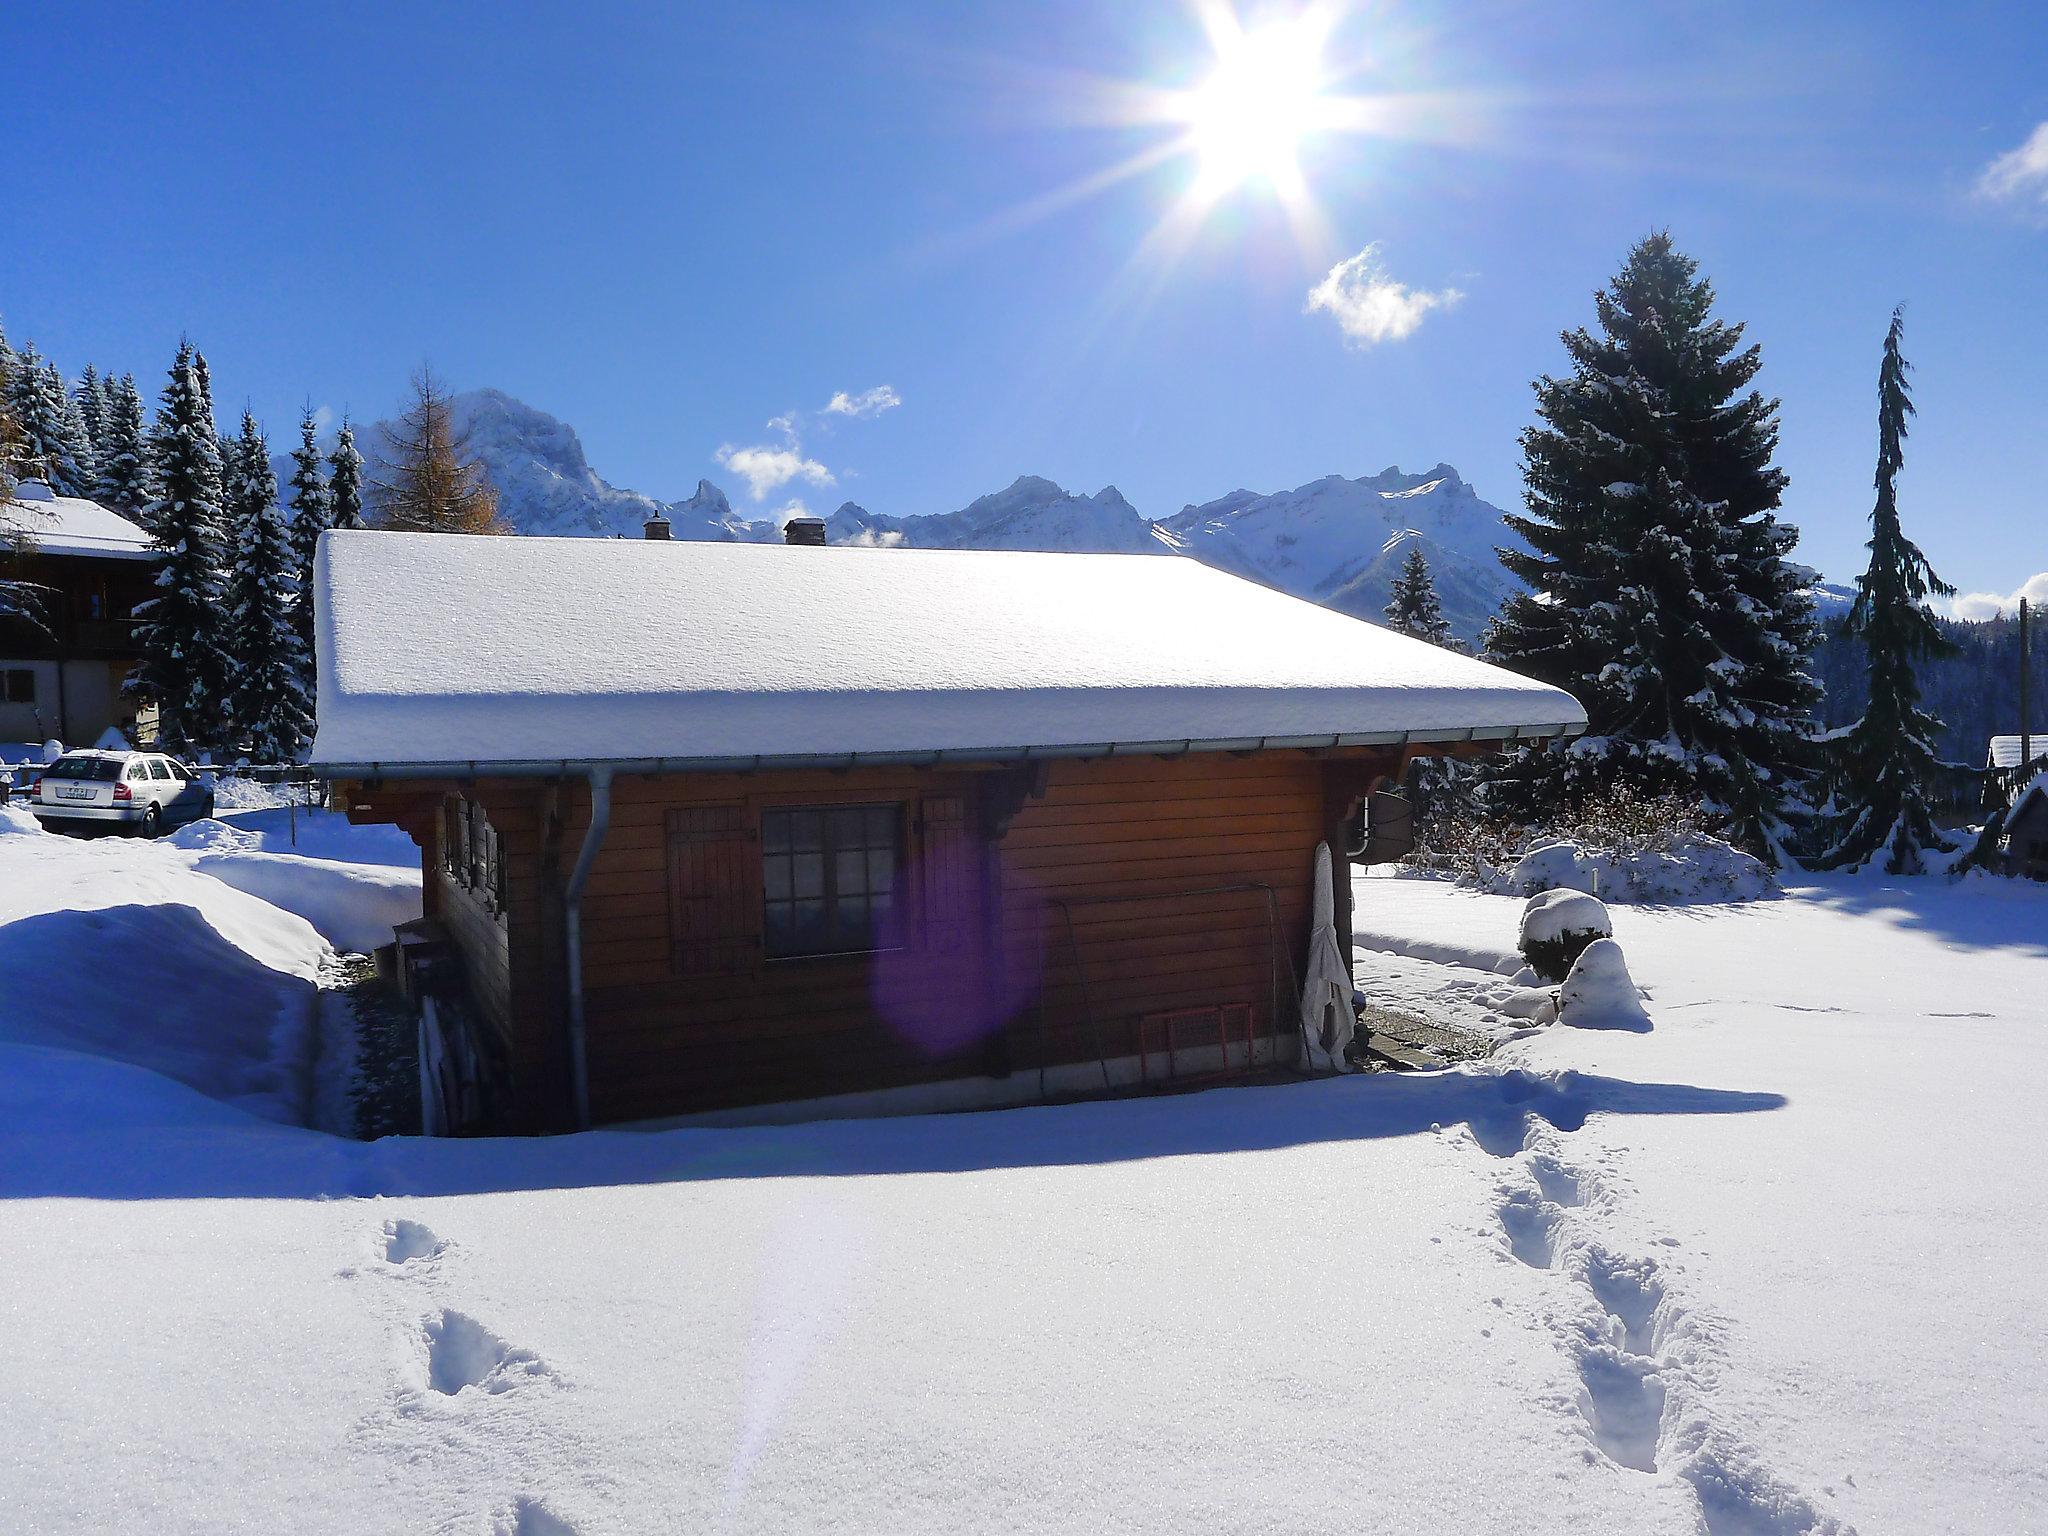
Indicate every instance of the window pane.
{"type": "Point", "coordinates": [846, 826]}
{"type": "Point", "coordinates": [853, 924]}
{"type": "Point", "coordinates": [881, 826]}
{"type": "Point", "coordinates": [810, 925]}
{"type": "Point", "coordinates": [809, 878]}
{"type": "Point", "coordinates": [780, 931]}
{"type": "Point", "coordinates": [157, 770]}
{"type": "Point", "coordinates": [775, 831]}
{"type": "Point", "coordinates": [775, 877]}
{"type": "Point", "coordinates": [806, 832]}
{"type": "Point", "coordinates": [851, 876]}
{"type": "Point", "coordinates": [882, 870]}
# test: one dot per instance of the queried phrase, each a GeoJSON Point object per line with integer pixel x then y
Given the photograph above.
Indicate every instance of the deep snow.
{"type": "Point", "coordinates": [1772, 1266]}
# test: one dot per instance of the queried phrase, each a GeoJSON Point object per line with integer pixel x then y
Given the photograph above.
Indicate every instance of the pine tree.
{"type": "Point", "coordinates": [312, 515]}
{"type": "Point", "coordinates": [1886, 762]}
{"type": "Point", "coordinates": [272, 720]}
{"type": "Point", "coordinates": [1661, 595]}
{"type": "Point", "coordinates": [123, 481]}
{"type": "Point", "coordinates": [49, 430]}
{"type": "Point", "coordinates": [90, 398]}
{"type": "Point", "coordinates": [434, 485]}
{"type": "Point", "coordinates": [345, 485]}
{"type": "Point", "coordinates": [1413, 608]}
{"type": "Point", "coordinates": [181, 635]}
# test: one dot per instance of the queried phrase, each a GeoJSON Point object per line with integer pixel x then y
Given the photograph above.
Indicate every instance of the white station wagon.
{"type": "Point", "coordinates": [142, 791]}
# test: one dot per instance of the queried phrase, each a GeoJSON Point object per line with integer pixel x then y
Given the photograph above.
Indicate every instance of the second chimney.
{"type": "Point", "coordinates": [804, 529]}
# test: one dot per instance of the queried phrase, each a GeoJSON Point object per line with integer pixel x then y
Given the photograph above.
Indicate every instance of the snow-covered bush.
{"type": "Point", "coordinates": [1622, 847]}
{"type": "Point", "coordinates": [1557, 926]}
{"type": "Point", "coordinates": [1599, 993]}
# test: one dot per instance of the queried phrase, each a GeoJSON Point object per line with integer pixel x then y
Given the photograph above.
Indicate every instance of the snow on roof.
{"type": "Point", "coordinates": [71, 525]}
{"type": "Point", "coordinates": [2005, 750]}
{"type": "Point", "coordinates": [444, 649]}
{"type": "Point", "coordinates": [2022, 802]}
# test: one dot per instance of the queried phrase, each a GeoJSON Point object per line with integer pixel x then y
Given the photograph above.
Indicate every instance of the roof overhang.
{"type": "Point", "coordinates": [550, 768]}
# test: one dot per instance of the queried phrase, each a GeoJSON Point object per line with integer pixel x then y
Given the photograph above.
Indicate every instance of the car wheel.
{"type": "Point", "coordinates": [152, 822]}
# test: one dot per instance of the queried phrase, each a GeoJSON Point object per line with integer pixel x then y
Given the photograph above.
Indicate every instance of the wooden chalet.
{"type": "Point", "coordinates": [2026, 831]}
{"type": "Point", "coordinates": [713, 827]}
{"type": "Point", "coordinates": [63, 663]}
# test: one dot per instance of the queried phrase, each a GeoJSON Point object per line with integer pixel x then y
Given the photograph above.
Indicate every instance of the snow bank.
{"type": "Point", "coordinates": [115, 948]}
{"type": "Point", "coordinates": [1599, 993]}
{"type": "Point", "coordinates": [355, 906]}
{"type": "Point", "coordinates": [18, 818]}
{"type": "Point", "coordinates": [310, 832]}
{"type": "Point", "coordinates": [1700, 869]}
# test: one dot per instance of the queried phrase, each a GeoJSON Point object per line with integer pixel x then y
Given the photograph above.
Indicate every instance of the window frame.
{"type": "Point", "coordinates": [8, 679]}
{"type": "Point", "coordinates": [837, 943]}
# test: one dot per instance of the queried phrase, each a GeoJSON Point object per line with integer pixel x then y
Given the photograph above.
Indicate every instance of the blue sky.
{"type": "Point", "coordinates": [670, 224]}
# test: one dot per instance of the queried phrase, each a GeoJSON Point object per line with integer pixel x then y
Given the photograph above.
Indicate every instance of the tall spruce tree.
{"type": "Point", "coordinates": [181, 635]}
{"type": "Point", "coordinates": [123, 479]}
{"type": "Point", "coordinates": [91, 403]}
{"type": "Point", "coordinates": [1661, 595]}
{"type": "Point", "coordinates": [312, 515]}
{"type": "Point", "coordinates": [1413, 607]}
{"type": "Point", "coordinates": [268, 692]}
{"type": "Point", "coordinates": [345, 485]}
{"type": "Point", "coordinates": [1886, 763]}
{"type": "Point", "coordinates": [51, 446]}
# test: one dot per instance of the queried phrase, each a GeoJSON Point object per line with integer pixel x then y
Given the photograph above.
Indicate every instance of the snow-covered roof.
{"type": "Point", "coordinates": [439, 649]}
{"type": "Point", "coordinates": [2023, 803]}
{"type": "Point", "coordinates": [2005, 750]}
{"type": "Point", "coordinates": [71, 525]}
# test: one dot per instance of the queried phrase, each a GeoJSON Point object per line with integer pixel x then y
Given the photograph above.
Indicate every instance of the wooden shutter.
{"type": "Point", "coordinates": [714, 910]}
{"type": "Point", "coordinates": [950, 863]}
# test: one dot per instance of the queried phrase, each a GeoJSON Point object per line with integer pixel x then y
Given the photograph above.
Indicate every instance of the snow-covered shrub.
{"type": "Point", "coordinates": [1599, 993]}
{"type": "Point", "coordinates": [1557, 926]}
{"type": "Point", "coordinates": [1622, 847]}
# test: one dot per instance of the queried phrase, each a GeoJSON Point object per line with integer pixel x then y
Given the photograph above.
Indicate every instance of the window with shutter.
{"type": "Point", "coordinates": [952, 876]}
{"type": "Point", "coordinates": [714, 914]}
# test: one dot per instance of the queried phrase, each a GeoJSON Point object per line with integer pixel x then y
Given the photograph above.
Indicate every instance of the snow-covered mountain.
{"type": "Point", "coordinates": [1341, 542]}
{"type": "Point", "coordinates": [1336, 541]}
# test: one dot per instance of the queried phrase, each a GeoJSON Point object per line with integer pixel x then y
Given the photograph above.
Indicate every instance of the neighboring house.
{"type": "Point", "coordinates": [2026, 831]}
{"type": "Point", "coordinates": [62, 667]}
{"type": "Point", "coordinates": [2005, 750]}
{"type": "Point", "coordinates": [724, 825]}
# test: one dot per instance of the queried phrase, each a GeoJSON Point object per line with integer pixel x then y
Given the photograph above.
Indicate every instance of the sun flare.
{"type": "Point", "coordinates": [1247, 121]}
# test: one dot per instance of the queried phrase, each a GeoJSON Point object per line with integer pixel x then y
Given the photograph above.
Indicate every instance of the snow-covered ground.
{"type": "Point", "coordinates": [1773, 1266]}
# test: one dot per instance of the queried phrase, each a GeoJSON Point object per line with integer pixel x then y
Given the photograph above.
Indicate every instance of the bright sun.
{"type": "Point", "coordinates": [1248, 119]}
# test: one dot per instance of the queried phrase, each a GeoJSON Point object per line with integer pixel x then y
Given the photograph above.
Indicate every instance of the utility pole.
{"type": "Point", "coordinates": [2026, 735]}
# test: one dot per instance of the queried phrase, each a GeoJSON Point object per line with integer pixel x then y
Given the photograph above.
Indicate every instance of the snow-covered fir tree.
{"type": "Point", "coordinates": [268, 680]}
{"type": "Point", "coordinates": [1413, 608]}
{"type": "Point", "coordinates": [90, 401]}
{"type": "Point", "coordinates": [312, 515]}
{"type": "Point", "coordinates": [182, 634]}
{"type": "Point", "coordinates": [345, 485]}
{"type": "Point", "coordinates": [123, 479]}
{"type": "Point", "coordinates": [1886, 764]}
{"type": "Point", "coordinates": [50, 434]}
{"type": "Point", "coordinates": [1661, 595]}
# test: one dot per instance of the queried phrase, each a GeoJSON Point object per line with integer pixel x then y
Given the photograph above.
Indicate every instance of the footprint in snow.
{"type": "Point", "coordinates": [530, 1517]}
{"type": "Point", "coordinates": [407, 1241]}
{"type": "Point", "coordinates": [462, 1354]}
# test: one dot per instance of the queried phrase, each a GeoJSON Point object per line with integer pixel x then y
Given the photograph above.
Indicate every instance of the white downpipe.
{"type": "Point", "coordinates": [572, 925]}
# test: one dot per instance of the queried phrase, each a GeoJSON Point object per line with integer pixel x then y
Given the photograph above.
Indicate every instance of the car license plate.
{"type": "Point", "coordinates": [74, 792]}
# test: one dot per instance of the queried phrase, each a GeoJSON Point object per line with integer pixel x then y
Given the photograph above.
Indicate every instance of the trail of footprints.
{"type": "Point", "coordinates": [464, 1358]}
{"type": "Point", "coordinates": [1627, 1349]}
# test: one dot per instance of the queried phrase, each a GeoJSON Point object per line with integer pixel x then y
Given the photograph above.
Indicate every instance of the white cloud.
{"type": "Point", "coordinates": [2019, 175]}
{"type": "Point", "coordinates": [766, 468]}
{"type": "Point", "coordinates": [1989, 605]}
{"type": "Point", "coordinates": [1369, 306]}
{"type": "Point", "coordinates": [869, 402]}
{"type": "Point", "coordinates": [323, 418]}
{"type": "Point", "coordinates": [875, 538]}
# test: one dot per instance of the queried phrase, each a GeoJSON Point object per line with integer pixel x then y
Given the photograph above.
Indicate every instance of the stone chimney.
{"type": "Point", "coordinates": [804, 529]}
{"type": "Point", "coordinates": [656, 527]}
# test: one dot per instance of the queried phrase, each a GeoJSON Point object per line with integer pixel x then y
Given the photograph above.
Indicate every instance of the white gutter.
{"type": "Point", "coordinates": [600, 776]}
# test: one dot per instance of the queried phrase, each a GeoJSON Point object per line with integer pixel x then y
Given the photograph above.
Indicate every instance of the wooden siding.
{"type": "Point", "coordinates": [1123, 887]}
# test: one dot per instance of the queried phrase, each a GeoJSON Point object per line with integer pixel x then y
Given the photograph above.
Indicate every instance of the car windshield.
{"type": "Point", "coordinates": [102, 769]}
